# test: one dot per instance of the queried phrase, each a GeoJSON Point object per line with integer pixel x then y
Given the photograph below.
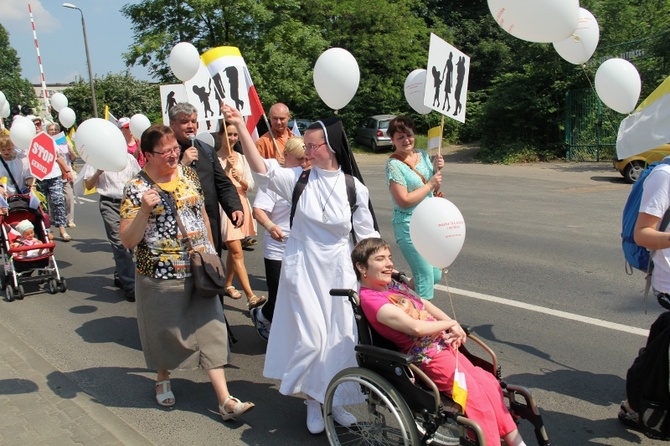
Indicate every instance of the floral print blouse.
{"type": "Point", "coordinates": [162, 253]}
{"type": "Point", "coordinates": [421, 349]}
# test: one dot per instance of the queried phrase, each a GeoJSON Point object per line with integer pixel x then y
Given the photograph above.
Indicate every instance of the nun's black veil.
{"type": "Point", "coordinates": [336, 138]}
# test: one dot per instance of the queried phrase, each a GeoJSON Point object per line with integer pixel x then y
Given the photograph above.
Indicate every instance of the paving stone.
{"type": "Point", "coordinates": [32, 412]}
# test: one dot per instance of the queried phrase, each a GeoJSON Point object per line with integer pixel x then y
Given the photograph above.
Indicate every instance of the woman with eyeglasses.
{"type": "Point", "coordinates": [313, 333]}
{"type": "Point", "coordinates": [178, 327]}
{"type": "Point", "coordinates": [411, 178]}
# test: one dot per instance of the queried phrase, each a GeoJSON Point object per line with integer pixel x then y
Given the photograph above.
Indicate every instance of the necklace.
{"type": "Point", "coordinates": [324, 217]}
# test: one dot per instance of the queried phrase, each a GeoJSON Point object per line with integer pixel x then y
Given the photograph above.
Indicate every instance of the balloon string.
{"type": "Point", "coordinates": [607, 115]}
{"type": "Point", "coordinates": [446, 284]}
{"type": "Point", "coordinates": [453, 309]}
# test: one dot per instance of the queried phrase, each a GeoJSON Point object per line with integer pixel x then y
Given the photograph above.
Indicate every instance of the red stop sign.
{"type": "Point", "coordinates": [42, 155]}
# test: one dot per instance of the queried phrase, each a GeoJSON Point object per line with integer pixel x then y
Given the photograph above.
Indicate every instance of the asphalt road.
{"type": "Point", "coordinates": [540, 278]}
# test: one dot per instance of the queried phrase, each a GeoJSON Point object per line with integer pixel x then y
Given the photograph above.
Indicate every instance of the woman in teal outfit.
{"type": "Point", "coordinates": [411, 178]}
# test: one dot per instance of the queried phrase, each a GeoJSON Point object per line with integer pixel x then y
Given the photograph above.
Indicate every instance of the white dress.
{"type": "Point", "coordinates": [313, 333]}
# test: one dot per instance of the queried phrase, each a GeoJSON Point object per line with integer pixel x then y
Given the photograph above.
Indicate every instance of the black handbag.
{"type": "Point", "coordinates": [207, 269]}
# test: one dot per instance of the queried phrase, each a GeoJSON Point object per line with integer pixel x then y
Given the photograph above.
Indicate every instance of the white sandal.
{"type": "Point", "coordinates": [166, 395]}
{"type": "Point", "coordinates": [239, 408]}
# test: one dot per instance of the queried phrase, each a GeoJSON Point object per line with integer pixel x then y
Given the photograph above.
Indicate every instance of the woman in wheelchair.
{"type": "Point", "coordinates": [432, 338]}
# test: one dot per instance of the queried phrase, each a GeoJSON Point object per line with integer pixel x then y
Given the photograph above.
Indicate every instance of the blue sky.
{"type": "Point", "coordinates": [61, 39]}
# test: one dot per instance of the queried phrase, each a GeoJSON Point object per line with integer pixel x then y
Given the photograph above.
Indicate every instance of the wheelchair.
{"type": "Point", "coordinates": [395, 403]}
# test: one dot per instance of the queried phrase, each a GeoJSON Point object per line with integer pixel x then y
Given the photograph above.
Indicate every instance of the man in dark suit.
{"type": "Point", "coordinates": [216, 186]}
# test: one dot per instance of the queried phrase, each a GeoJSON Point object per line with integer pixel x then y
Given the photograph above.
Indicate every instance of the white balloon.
{"type": "Point", "coordinates": [536, 20]}
{"type": "Point", "coordinates": [336, 77]}
{"type": "Point", "coordinates": [437, 230]}
{"type": "Point", "coordinates": [184, 61]}
{"type": "Point", "coordinates": [59, 101]}
{"type": "Point", "coordinates": [102, 145]}
{"type": "Point", "coordinates": [580, 46]}
{"type": "Point", "coordinates": [3, 100]}
{"type": "Point", "coordinates": [4, 112]}
{"type": "Point", "coordinates": [618, 85]}
{"type": "Point", "coordinates": [205, 137]}
{"type": "Point", "coordinates": [67, 117]}
{"type": "Point", "coordinates": [138, 124]}
{"type": "Point", "coordinates": [415, 86]}
{"type": "Point", "coordinates": [22, 132]}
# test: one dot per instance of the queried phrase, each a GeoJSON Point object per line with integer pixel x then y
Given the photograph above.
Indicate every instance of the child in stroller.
{"type": "Point", "coordinates": [22, 254]}
{"type": "Point", "coordinates": [27, 238]}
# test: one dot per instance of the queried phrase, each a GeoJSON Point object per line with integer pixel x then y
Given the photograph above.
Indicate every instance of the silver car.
{"type": "Point", "coordinates": [372, 132]}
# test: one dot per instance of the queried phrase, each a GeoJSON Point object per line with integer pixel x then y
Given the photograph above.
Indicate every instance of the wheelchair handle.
{"type": "Point", "coordinates": [342, 292]}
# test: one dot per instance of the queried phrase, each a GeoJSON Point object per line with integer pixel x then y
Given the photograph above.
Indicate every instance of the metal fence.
{"type": "Point", "coordinates": [591, 128]}
{"type": "Point", "coordinates": [590, 132]}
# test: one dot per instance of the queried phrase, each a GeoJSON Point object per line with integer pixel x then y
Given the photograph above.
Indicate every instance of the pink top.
{"type": "Point", "coordinates": [422, 349]}
{"type": "Point", "coordinates": [29, 242]}
{"type": "Point", "coordinates": [135, 147]}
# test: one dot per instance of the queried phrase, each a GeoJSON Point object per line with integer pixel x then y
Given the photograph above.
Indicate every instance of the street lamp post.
{"type": "Point", "coordinates": [88, 58]}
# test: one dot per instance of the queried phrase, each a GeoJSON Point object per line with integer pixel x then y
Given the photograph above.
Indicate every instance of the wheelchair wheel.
{"type": "Point", "coordinates": [448, 434]}
{"type": "Point", "coordinates": [382, 416]}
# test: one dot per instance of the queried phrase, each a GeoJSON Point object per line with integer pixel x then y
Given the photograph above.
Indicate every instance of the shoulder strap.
{"type": "Point", "coordinates": [396, 157]}
{"type": "Point", "coordinates": [169, 199]}
{"type": "Point", "coordinates": [297, 192]}
{"type": "Point", "coordinates": [351, 196]}
{"type": "Point", "coordinates": [300, 187]}
{"type": "Point", "coordinates": [9, 172]}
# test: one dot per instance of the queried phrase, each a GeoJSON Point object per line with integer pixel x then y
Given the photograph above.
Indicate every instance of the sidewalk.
{"type": "Point", "coordinates": [41, 406]}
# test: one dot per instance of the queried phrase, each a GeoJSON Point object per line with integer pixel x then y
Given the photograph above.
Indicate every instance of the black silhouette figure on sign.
{"type": "Point", "coordinates": [233, 80]}
{"type": "Point", "coordinates": [437, 81]}
{"type": "Point", "coordinates": [170, 102]}
{"type": "Point", "coordinates": [218, 87]}
{"type": "Point", "coordinates": [448, 73]}
{"type": "Point", "coordinates": [460, 77]}
{"type": "Point", "coordinates": [203, 96]}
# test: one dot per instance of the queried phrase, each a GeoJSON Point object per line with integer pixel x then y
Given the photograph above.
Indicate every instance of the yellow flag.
{"type": "Point", "coordinates": [70, 140]}
{"type": "Point", "coordinates": [110, 117]}
{"type": "Point", "coordinates": [459, 393]}
{"type": "Point", "coordinates": [647, 127]}
{"type": "Point", "coordinates": [434, 137]}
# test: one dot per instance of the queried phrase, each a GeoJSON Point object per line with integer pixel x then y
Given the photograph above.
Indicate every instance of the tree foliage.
{"type": "Point", "coordinates": [124, 95]}
{"type": "Point", "coordinates": [516, 89]}
{"type": "Point", "coordinates": [16, 89]}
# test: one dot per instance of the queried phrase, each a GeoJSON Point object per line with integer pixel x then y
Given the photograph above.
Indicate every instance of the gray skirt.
{"type": "Point", "coordinates": [178, 328]}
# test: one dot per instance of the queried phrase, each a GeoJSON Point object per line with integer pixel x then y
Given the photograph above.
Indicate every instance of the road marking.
{"type": "Point", "coordinates": [549, 311]}
{"type": "Point", "coordinates": [88, 200]}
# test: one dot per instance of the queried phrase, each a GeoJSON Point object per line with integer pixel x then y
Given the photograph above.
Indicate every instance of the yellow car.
{"type": "Point", "coordinates": [632, 167]}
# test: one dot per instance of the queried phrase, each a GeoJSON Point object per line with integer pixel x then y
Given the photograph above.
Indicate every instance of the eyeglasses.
{"type": "Point", "coordinates": [167, 152]}
{"type": "Point", "coordinates": [312, 147]}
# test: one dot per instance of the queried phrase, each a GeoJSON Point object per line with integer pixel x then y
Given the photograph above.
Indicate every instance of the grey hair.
{"type": "Point", "coordinates": [56, 126]}
{"type": "Point", "coordinates": [182, 108]}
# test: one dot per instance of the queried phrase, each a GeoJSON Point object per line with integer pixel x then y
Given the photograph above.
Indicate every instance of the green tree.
{"type": "Point", "coordinates": [124, 95]}
{"type": "Point", "coordinates": [281, 42]}
{"type": "Point", "coordinates": [517, 89]}
{"type": "Point", "coordinates": [278, 49]}
{"type": "Point", "coordinates": [17, 90]}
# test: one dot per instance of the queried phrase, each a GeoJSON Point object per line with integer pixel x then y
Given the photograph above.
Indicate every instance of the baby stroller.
{"type": "Point", "coordinates": [24, 264]}
{"type": "Point", "coordinates": [397, 403]}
